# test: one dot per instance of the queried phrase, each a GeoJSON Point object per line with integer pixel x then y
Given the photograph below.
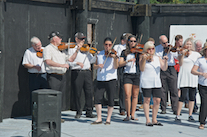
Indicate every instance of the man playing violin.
{"type": "Point", "coordinates": [81, 77]}
{"type": "Point", "coordinates": [119, 48]}
{"type": "Point", "coordinates": [168, 77]}
{"type": "Point", "coordinates": [35, 66]}
{"type": "Point", "coordinates": [56, 64]}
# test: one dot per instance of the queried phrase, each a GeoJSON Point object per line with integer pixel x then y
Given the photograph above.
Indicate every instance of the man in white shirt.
{"type": "Point", "coordinates": [57, 65]}
{"type": "Point", "coordinates": [35, 66]}
{"type": "Point", "coordinates": [81, 77]}
{"type": "Point", "coordinates": [168, 77]}
{"type": "Point", "coordinates": [119, 48]}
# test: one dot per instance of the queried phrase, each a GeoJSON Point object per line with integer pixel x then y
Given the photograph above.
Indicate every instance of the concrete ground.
{"type": "Point", "coordinates": [21, 126]}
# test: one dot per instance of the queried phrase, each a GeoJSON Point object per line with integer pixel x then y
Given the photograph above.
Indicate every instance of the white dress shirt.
{"type": "Point", "coordinates": [30, 57]}
{"type": "Point", "coordinates": [171, 56]}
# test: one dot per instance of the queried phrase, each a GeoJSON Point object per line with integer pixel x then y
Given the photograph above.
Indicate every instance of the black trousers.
{"type": "Point", "coordinates": [58, 82]}
{"type": "Point", "coordinates": [82, 80]}
{"type": "Point", "coordinates": [37, 81]}
{"type": "Point", "coordinates": [169, 82]}
{"type": "Point", "coordinates": [121, 90]}
{"type": "Point", "coordinates": [203, 107]}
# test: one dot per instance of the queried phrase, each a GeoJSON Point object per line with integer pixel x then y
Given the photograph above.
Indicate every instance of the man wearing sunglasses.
{"type": "Point", "coordinates": [81, 77]}
{"type": "Point", "coordinates": [168, 77]}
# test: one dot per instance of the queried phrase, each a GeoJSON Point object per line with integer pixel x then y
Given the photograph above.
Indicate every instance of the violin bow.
{"type": "Point", "coordinates": [139, 39]}
{"type": "Point", "coordinates": [88, 52]}
{"type": "Point", "coordinates": [108, 53]}
{"type": "Point", "coordinates": [170, 46]}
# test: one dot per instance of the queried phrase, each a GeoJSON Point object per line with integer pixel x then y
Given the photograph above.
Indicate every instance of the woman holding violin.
{"type": "Point", "coordinates": [81, 75]}
{"type": "Point", "coordinates": [130, 58]}
{"type": "Point", "coordinates": [187, 82]}
{"type": "Point", "coordinates": [106, 65]}
{"type": "Point", "coordinates": [150, 81]}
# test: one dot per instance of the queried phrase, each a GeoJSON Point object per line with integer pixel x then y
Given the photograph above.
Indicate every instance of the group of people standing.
{"type": "Point", "coordinates": [150, 70]}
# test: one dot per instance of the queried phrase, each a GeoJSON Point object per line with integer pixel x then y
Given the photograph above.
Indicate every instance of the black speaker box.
{"type": "Point", "coordinates": [46, 113]}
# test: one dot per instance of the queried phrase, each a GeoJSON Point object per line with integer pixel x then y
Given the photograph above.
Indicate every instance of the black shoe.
{"type": "Point", "coordinates": [163, 112]}
{"type": "Point", "coordinates": [77, 116]}
{"type": "Point", "coordinates": [177, 119]}
{"type": "Point", "coordinates": [90, 116]}
{"type": "Point", "coordinates": [96, 123]}
{"type": "Point", "coordinates": [191, 119]}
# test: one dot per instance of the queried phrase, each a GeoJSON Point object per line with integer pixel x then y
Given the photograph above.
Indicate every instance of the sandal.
{"type": "Point", "coordinates": [126, 119]}
{"type": "Point", "coordinates": [135, 119]}
{"type": "Point", "coordinates": [158, 124]}
{"type": "Point", "coordinates": [149, 124]}
{"type": "Point", "coordinates": [201, 126]}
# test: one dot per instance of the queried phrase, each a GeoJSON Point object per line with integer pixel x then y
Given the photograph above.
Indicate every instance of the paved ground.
{"type": "Point", "coordinates": [21, 127]}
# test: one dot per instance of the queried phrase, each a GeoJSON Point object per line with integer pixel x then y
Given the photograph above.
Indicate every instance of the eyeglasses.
{"type": "Point", "coordinates": [81, 38]}
{"type": "Point", "coordinates": [133, 41]}
{"type": "Point", "coordinates": [150, 48]}
{"type": "Point", "coordinates": [107, 44]}
{"type": "Point", "coordinates": [164, 42]}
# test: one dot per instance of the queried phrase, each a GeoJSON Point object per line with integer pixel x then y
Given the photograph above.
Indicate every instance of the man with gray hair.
{"type": "Point", "coordinates": [198, 45]}
{"type": "Point", "coordinates": [35, 66]}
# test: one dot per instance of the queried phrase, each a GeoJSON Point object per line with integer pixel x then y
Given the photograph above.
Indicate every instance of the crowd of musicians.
{"type": "Point", "coordinates": [179, 69]}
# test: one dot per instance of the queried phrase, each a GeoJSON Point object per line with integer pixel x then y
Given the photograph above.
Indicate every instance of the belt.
{"type": "Point", "coordinates": [170, 66]}
{"type": "Point", "coordinates": [56, 74]}
{"type": "Point", "coordinates": [81, 70]}
{"type": "Point", "coordinates": [37, 73]}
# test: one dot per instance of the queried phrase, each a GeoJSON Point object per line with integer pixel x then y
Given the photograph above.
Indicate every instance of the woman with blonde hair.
{"type": "Point", "coordinates": [187, 82]}
{"type": "Point", "coordinates": [150, 82]}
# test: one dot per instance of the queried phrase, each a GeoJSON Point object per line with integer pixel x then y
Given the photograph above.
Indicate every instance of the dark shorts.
{"type": "Point", "coordinates": [155, 92]}
{"type": "Point", "coordinates": [131, 79]}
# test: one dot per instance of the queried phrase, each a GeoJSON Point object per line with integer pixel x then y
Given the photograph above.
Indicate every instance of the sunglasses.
{"type": "Point", "coordinates": [164, 42]}
{"type": "Point", "coordinates": [107, 44]}
{"type": "Point", "coordinates": [150, 48]}
{"type": "Point", "coordinates": [133, 41]}
{"type": "Point", "coordinates": [81, 38]}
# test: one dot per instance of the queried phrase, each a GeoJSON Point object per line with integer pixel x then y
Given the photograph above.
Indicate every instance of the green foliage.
{"type": "Point", "coordinates": [178, 1]}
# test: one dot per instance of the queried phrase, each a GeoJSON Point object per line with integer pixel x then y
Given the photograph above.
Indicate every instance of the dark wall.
{"type": "Point", "coordinates": [24, 19]}
{"type": "Point", "coordinates": [110, 24]}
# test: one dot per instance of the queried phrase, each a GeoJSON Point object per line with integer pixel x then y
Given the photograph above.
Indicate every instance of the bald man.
{"type": "Point", "coordinates": [168, 77]}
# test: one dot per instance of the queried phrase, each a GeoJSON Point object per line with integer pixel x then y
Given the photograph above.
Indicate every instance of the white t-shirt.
{"type": "Point", "coordinates": [108, 72]}
{"type": "Point", "coordinates": [202, 64]}
{"type": "Point", "coordinates": [119, 48]}
{"type": "Point", "coordinates": [30, 57]}
{"type": "Point", "coordinates": [185, 78]}
{"type": "Point", "coordinates": [150, 77]}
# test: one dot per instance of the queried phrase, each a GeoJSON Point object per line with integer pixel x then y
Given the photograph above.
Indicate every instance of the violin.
{"type": "Point", "coordinates": [110, 52]}
{"type": "Point", "coordinates": [170, 48]}
{"type": "Point", "coordinates": [40, 53]}
{"type": "Point", "coordinates": [136, 50]}
{"type": "Point", "coordinates": [86, 48]}
{"type": "Point", "coordinates": [187, 52]}
{"type": "Point", "coordinates": [149, 57]}
{"type": "Point", "coordinates": [64, 46]}
{"type": "Point", "coordinates": [139, 45]}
